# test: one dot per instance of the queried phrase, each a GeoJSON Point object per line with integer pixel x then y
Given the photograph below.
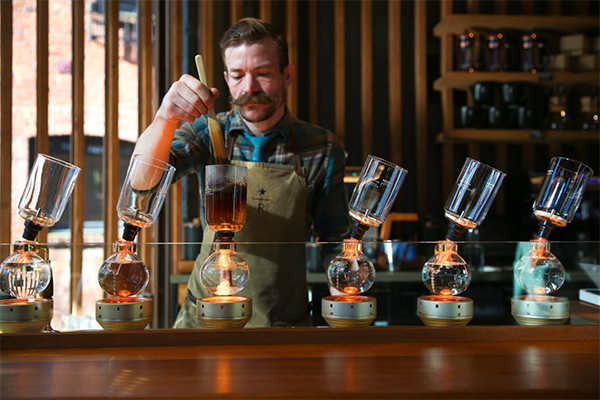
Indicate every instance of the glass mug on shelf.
{"type": "Point", "coordinates": [535, 55]}
{"type": "Point", "coordinates": [470, 54]}
{"type": "Point", "coordinates": [501, 56]}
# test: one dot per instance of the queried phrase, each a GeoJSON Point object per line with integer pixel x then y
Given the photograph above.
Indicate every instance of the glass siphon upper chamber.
{"type": "Point", "coordinates": [24, 274]}
{"type": "Point", "coordinates": [539, 271]}
{"type": "Point", "coordinates": [224, 272]}
{"type": "Point", "coordinates": [446, 273]}
{"type": "Point", "coordinates": [124, 273]}
{"type": "Point", "coordinates": [351, 272]}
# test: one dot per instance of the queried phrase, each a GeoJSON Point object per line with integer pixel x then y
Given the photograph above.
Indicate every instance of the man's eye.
{"type": "Point", "coordinates": [264, 74]}
{"type": "Point", "coordinates": [236, 78]}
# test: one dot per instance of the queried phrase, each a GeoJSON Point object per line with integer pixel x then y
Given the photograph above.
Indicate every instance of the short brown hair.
{"type": "Point", "coordinates": [251, 30]}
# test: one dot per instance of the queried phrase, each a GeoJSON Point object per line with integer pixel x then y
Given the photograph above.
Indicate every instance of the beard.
{"type": "Point", "coordinates": [262, 108]}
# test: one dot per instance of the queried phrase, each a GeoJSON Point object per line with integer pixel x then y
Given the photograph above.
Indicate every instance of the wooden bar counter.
{"type": "Point", "coordinates": [306, 363]}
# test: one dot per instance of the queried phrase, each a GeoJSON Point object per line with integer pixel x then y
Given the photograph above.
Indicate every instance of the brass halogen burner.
{"type": "Point", "coordinates": [124, 313]}
{"type": "Point", "coordinates": [224, 312]}
{"type": "Point", "coordinates": [436, 310]}
{"type": "Point", "coordinates": [539, 310]}
{"type": "Point", "coordinates": [349, 311]}
{"type": "Point", "coordinates": [25, 315]}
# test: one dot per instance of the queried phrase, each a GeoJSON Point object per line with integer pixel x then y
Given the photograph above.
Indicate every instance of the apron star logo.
{"type": "Point", "coordinates": [262, 192]}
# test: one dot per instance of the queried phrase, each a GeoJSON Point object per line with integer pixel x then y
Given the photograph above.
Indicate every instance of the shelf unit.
{"type": "Point", "coordinates": [515, 136]}
{"type": "Point", "coordinates": [454, 24]}
{"type": "Point", "coordinates": [464, 80]}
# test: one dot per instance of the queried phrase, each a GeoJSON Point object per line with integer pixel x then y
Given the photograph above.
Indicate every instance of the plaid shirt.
{"type": "Point", "coordinates": [320, 153]}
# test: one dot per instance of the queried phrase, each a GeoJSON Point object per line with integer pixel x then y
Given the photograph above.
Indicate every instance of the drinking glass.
{"type": "Point", "coordinates": [47, 191]}
{"type": "Point", "coordinates": [144, 190]}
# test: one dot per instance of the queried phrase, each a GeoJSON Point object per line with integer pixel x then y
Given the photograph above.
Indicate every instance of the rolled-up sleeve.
{"type": "Point", "coordinates": [189, 150]}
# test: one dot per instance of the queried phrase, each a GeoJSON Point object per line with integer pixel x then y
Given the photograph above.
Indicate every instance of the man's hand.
{"type": "Point", "coordinates": [186, 100]}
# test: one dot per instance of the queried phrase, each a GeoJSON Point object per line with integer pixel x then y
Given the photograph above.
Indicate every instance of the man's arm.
{"type": "Point", "coordinates": [186, 100]}
{"type": "Point", "coordinates": [330, 210]}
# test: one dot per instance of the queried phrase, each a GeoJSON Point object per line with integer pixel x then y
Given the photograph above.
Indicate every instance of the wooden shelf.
{"type": "Point", "coordinates": [516, 136]}
{"type": "Point", "coordinates": [464, 80]}
{"type": "Point", "coordinates": [458, 23]}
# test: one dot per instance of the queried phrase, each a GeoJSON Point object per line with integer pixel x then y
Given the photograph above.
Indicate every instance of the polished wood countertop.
{"type": "Point", "coordinates": [306, 363]}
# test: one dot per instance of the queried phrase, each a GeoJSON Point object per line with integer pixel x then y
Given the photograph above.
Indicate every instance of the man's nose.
{"type": "Point", "coordinates": [251, 84]}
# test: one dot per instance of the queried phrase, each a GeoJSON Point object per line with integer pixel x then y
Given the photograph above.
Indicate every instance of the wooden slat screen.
{"type": "Point", "coordinates": [6, 18]}
{"type": "Point", "coordinates": [265, 10]}
{"type": "Point", "coordinates": [395, 83]}
{"type": "Point", "coordinates": [447, 104]}
{"type": "Point", "coordinates": [421, 102]}
{"type": "Point", "coordinates": [207, 45]}
{"type": "Point", "coordinates": [175, 49]}
{"type": "Point", "coordinates": [146, 109]}
{"type": "Point", "coordinates": [291, 18]}
{"type": "Point", "coordinates": [340, 71]}
{"type": "Point", "coordinates": [366, 78]}
{"type": "Point", "coordinates": [77, 155]}
{"type": "Point", "coordinates": [313, 60]}
{"type": "Point", "coordinates": [111, 136]}
{"type": "Point", "coordinates": [42, 141]}
{"type": "Point", "coordinates": [237, 11]}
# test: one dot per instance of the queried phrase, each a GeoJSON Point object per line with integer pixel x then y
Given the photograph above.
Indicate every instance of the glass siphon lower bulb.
{"type": "Point", "coordinates": [351, 272]}
{"type": "Point", "coordinates": [446, 273]}
{"type": "Point", "coordinates": [224, 272]}
{"type": "Point", "coordinates": [539, 271]}
{"type": "Point", "coordinates": [24, 274]}
{"type": "Point", "coordinates": [124, 273]}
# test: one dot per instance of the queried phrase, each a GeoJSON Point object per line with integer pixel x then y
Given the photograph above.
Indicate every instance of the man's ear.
{"type": "Point", "coordinates": [289, 71]}
{"type": "Point", "coordinates": [226, 76]}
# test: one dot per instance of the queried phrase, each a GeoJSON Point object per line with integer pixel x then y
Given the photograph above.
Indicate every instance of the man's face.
{"type": "Point", "coordinates": [256, 82]}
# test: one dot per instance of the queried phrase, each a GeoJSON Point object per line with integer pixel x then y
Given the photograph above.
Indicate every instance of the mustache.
{"type": "Point", "coordinates": [243, 99]}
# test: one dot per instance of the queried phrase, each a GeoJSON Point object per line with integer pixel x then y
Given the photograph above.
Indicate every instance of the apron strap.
{"type": "Point", "coordinates": [191, 297]}
{"type": "Point", "coordinates": [297, 162]}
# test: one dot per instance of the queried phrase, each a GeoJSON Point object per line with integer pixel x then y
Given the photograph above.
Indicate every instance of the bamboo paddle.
{"type": "Point", "coordinates": [216, 136]}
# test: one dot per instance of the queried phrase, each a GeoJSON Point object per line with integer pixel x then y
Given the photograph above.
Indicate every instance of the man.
{"type": "Point", "coordinates": [295, 170]}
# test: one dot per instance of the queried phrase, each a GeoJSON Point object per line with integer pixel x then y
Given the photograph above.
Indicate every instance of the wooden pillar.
{"type": "Point", "coordinates": [42, 140]}
{"type": "Point", "coordinates": [6, 19]}
{"type": "Point", "coordinates": [176, 191]}
{"type": "Point", "coordinates": [111, 135]}
{"type": "Point", "coordinates": [207, 10]}
{"type": "Point", "coordinates": [395, 80]}
{"type": "Point", "coordinates": [340, 71]}
{"type": "Point", "coordinates": [366, 76]}
{"type": "Point", "coordinates": [237, 11]}
{"type": "Point", "coordinates": [265, 10]}
{"type": "Point", "coordinates": [421, 103]}
{"type": "Point", "coordinates": [447, 103]}
{"type": "Point", "coordinates": [77, 156]}
{"type": "Point", "coordinates": [313, 62]}
{"type": "Point", "coordinates": [145, 116]}
{"type": "Point", "coordinates": [291, 32]}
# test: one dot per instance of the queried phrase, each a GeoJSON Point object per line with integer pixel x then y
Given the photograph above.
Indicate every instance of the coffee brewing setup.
{"type": "Point", "coordinates": [124, 274]}
{"type": "Point", "coordinates": [26, 273]}
{"type": "Point", "coordinates": [225, 273]}
{"type": "Point", "coordinates": [539, 272]}
{"type": "Point", "coordinates": [351, 272]}
{"type": "Point", "coordinates": [447, 274]}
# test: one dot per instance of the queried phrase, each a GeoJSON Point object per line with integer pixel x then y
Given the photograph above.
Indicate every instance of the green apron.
{"type": "Point", "coordinates": [276, 212]}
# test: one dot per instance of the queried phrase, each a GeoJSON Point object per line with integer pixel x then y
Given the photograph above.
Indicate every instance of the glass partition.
{"type": "Point", "coordinates": [398, 280]}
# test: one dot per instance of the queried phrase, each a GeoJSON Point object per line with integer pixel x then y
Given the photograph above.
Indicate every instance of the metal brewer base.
{"type": "Point", "coordinates": [539, 310]}
{"type": "Point", "coordinates": [349, 311]}
{"type": "Point", "coordinates": [445, 310]}
{"type": "Point", "coordinates": [224, 312]}
{"type": "Point", "coordinates": [124, 314]}
{"type": "Point", "coordinates": [25, 315]}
